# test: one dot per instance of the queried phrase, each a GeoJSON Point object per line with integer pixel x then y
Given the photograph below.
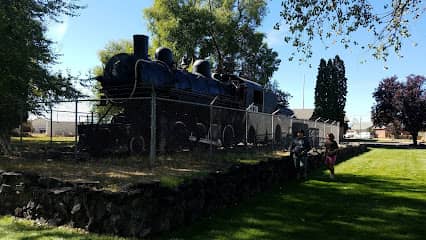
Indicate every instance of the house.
{"type": "Point", "coordinates": [59, 128]}
{"type": "Point", "coordinates": [381, 132]}
{"type": "Point", "coordinates": [304, 114]}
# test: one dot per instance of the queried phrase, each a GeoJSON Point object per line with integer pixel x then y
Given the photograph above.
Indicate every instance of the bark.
{"type": "Point", "coordinates": [5, 147]}
{"type": "Point", "coordinates": [415, 135]}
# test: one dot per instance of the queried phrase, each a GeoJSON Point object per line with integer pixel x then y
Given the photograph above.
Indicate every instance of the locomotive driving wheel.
{"type": "Point", "coordinates": [228, 137]}
{"type": "Point", "coordinates": [137, 145]}
{"type": "Point", "coordinates": [179, 139]}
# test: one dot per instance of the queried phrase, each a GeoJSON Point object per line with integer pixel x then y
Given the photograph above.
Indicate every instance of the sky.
{"type": "Point", "coordinates": [79, 39]}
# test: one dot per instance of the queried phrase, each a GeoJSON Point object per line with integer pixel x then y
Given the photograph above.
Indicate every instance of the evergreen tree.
{"type": "Point", "coordinates": [331, 90]}
{"type": "Point", "coordinates": [321, 90]}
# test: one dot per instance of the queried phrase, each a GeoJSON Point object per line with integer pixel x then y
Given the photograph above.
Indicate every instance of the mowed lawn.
{"type": "Point", "coordinates": [378, 195]}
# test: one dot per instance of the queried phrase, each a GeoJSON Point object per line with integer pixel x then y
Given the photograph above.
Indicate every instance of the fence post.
{"type": "Point", "coordinates": [51, 124]}
{"type": "Point", "coordinates": [20, 123]}
{"type": "Point", "coordinates": [76, 130]}
{"type": "Point", "coordinates": [153, 143]}
{"type": "Point", "coordinates": [210, 127]}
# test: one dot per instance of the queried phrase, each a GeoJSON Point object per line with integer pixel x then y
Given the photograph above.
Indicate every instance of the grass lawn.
{"type": "Point", "coordinates": [378, 195]}
{"type": "Point", "coordinates": [19, 229]}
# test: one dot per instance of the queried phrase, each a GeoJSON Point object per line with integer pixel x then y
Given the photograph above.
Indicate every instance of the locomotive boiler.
{"type": "Point", "coordinates": [184, 104]}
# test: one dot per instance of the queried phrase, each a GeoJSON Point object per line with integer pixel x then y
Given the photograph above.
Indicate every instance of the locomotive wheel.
{"type": "Point", "coordinates": [179, 139]}
{"type": "Point", "coordinates": [251, 137]}
{"type": "Point", "coordinates": [278, 135]}
{"type": "Point", "coordinates": [228, 137]}
{"type": "Point", "coordinates": [200, 131]}
{"type": "Point", "coordinates": [137, 145]}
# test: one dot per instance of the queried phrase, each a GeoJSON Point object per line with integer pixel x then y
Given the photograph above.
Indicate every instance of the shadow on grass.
{"type": "Point", "coordinates": [351, 207]}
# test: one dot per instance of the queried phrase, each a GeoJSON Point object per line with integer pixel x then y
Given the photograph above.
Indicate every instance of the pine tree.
{"type": "Point", "coordinates": [331, 90]}
{"type": "Point", "coordinates": [320, 89]}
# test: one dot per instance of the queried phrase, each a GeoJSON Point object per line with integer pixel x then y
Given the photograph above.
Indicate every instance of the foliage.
{"type": "Point", "coordinates": [334, 21]}
{"type": "Point", "coordinates": [26, 77]}
{"type": "Point", "coordinates": [400, 103]}
{"type": "Point", "coordinates": [376, 195]}
{"type": "Point", "coordinates": [331, 90]}
{"type": "Point", "coordinates": [282, 96]}
{"type": "Point", "coordinates": [111, 49]}
{"type": "Point", "coordinates": [223, 31]}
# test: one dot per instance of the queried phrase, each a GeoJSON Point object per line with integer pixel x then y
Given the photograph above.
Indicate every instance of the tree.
{"type": "Point", "coordinates": [331, 90]}
{"type": "Point", "coordinates": [337, 20]}
{"type": "Point", "coordinates": [112, 48]}
{"type": "Point", "coordinates": [282, 96]}
{"type": "Point", "coordinates": [401, 103]}
{"type": "Point", "coordinates": [223, 31]}
{"type": "Point", "coordinates": [26, 77]}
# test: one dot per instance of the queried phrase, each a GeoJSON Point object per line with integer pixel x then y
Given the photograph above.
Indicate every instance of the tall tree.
{"type": "Point", "coordinates": [112, 48]}
{"type": "Point", "coordinates": [331, 90]}
{"type": "Point", "coordinates": [282, 96]}
{"type": "Point", "coordinates": [337, 20]}
{"type": "Point", "coordinates": [26, 77]}
{"type": "Point", "coordinates": [403, 103]}
{"type": "Point", "coordinates": [222, 30]}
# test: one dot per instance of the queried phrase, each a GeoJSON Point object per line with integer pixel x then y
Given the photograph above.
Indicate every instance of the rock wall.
{"type": "Point", "coordinates": [145, 208]}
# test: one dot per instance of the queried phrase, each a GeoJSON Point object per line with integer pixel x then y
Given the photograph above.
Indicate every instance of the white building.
{"type": "Point", "coordinates": [59, 128]}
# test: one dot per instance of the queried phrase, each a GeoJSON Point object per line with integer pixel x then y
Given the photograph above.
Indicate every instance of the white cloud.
{"type": "Point", "coordinates": [275, 38]}
{"type": "Point", "coordinates": [57, 31]}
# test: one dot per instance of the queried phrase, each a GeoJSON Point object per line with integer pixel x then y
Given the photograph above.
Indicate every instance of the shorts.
{"type": "Point", "coordinates": [330, 160]}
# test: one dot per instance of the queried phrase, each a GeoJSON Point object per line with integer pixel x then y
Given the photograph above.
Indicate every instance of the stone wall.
{"type": "Point", "coordinates": [145, 208]}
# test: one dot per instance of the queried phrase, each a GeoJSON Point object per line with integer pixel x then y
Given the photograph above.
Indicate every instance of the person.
{"type": "Point", "coordinates": [331, 148]}
{"type": "Point", "coordinates": [299, 151]}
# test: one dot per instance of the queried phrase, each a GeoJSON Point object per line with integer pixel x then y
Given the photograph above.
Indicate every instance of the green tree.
{"type": "Point", "coordinates": [26, 77]}
{"type": "Point", "coordinates": [112, 48]}
{"type": "Point", "coordinates": [222, 30]}
{"type": "Point", "coordinates": [334, 21]}
{"type": "Point", "coordinates": [282, 96]}
{"type": "Point", "coordinates": [331, 90]}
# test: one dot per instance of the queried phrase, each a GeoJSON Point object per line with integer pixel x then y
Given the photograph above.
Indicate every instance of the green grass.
{"type": "Point", "coordinates": [19, 229]}
{"type": "Point", "coordinates": [378, 195]}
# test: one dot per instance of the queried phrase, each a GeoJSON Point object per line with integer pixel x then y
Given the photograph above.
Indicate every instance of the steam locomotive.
{"type": "Point", "coordinates": [130, 81]}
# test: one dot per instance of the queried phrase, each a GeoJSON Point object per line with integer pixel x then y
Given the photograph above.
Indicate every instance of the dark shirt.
{"type": "Point", "coordinates": [300, 146]}
{"type": "Point", "coordinates": [331, 148]}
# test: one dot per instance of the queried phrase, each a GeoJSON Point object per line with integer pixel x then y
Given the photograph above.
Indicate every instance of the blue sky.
{"type": "Point", "coordinates": [80, 38]}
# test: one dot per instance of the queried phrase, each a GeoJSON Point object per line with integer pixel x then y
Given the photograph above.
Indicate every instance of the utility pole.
{"type": "Point", "coordinates": [303, 92]}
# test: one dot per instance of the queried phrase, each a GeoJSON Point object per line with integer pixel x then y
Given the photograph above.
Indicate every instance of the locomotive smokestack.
{"type": "Point", "coordinates": [140, 46]}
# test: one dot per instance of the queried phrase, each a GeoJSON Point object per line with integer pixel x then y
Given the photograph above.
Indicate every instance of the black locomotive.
{"type": "Point", "coordinates": [130, 80]}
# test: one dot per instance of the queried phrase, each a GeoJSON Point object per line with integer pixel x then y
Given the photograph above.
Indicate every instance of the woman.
{"type": "Point", "coordinates": [330, 153]}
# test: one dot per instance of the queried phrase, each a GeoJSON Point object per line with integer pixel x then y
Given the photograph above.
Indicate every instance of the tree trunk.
{"type": "Point", "coordinates": [414, 135]}
{"type": "Point", "coordinates": [5, 147]}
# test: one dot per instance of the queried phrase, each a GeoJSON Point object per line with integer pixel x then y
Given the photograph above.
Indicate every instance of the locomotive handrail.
{"type": "Point", "coordinates": [214, 100]}
{"type": "Point", "coordinates": [200, 104]}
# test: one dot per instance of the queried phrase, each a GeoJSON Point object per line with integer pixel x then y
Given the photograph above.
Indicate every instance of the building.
{"type": "Point", "coordinates": [59, 128]}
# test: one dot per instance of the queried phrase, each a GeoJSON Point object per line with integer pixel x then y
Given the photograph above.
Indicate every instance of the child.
{"type": "Point", "coordinates": [330, 153]}
{"type": "Point", "coordinates": [299, 151]}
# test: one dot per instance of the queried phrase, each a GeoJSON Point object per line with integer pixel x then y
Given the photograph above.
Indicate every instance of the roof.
{"type": "Point", "coordinates": [304, 114]}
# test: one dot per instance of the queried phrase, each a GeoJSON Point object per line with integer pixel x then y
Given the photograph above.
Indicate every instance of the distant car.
{"type": "Point", "coordinates": [349, 135]}
{"type": "Point", "coordinates": [365, 135]}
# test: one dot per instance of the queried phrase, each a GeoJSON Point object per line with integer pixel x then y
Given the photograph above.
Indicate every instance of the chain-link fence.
{"type": "Point", "coordinates": [126, 126]}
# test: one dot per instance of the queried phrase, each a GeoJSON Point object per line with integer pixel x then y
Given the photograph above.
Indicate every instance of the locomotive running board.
{"type": "Point", "coordinates": [206, 141]}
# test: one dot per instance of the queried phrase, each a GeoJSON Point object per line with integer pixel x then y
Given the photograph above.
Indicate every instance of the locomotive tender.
{"type": "Point", "coordinates": [130, 80]}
